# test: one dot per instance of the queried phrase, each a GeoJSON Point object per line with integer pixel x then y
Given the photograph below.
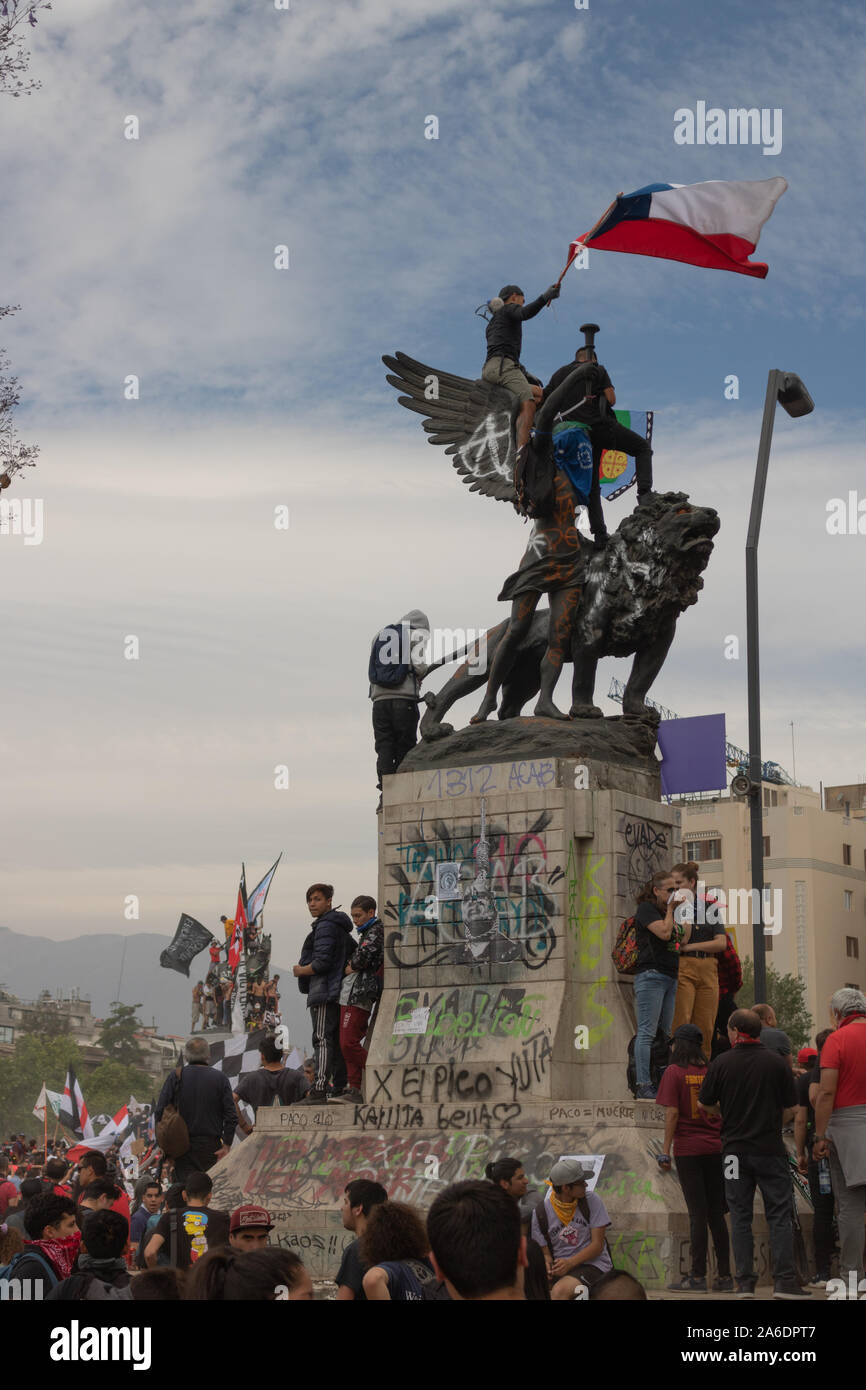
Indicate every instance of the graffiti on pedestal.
{"type": "Point", "coordinates": [587, 928]}
{"type": "Point", "coordinates": [647, 849]}
{"type": "Point", "coordinates": [429, 1025]}
{"type": "Point", "coordinates": [505, 912]}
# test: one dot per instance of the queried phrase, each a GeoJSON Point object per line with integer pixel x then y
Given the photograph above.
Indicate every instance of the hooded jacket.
{"type": "Point", "coordinates": [362, 988]}
{"type": "Point", "coordinates": [409, 690]}
{"type": "Point", "coordinates": [326, 949]}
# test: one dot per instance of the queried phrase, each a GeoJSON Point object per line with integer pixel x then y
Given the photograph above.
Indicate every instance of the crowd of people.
{"type": "Point", "coordinates": [729, 1085]}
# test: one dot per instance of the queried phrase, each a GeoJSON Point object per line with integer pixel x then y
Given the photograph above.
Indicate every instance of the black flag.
{"type": "Point", "coordinates": [190, 938]}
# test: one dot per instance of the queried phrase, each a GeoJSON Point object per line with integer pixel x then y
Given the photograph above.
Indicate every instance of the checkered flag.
{"type": "Point", "coordinates": [237, 1056]}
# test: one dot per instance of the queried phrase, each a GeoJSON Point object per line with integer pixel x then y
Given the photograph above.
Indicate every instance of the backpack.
{"type": "Point", "coordinates": [90, 1288]}
{"type": "Point", "coordinates": [8, 1271]}
{"type": "Point", "coordinates": [572, 452]}
{"type": "Point", "coordinates": [172, 1135]}
{"type": "Point", "coordinates": [534, 474]}
{"type": "Point", "coordinates": [388, 672]}
{"type": "Point", "coordinates": [544, 1222]}
{"type": "Point", "coordinates": [659, 1058]}
{"type": "Point", "coordinates": [624, 953]}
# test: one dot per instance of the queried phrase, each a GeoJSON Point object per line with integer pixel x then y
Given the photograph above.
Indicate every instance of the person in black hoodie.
{"type": "Point", "coordinates": [320, 975]}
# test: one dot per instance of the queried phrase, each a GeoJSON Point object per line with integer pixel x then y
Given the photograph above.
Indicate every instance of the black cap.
{"type": "Point", "coordinates": [688, 1032]}
{"type": "Point", "coordinates": [508, 290]}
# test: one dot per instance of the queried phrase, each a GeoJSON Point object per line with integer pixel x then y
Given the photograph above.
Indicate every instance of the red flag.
{"type": "Point", "coordinates": [237, 941]}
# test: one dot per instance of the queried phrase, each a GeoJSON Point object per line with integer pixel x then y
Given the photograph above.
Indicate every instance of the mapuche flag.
{"type": "Point", "coordinates": [73, 1111]}
{"type": "Point", "coordinates": [237, 941]}
{"type": "Point", "coordinates": [715, 224]}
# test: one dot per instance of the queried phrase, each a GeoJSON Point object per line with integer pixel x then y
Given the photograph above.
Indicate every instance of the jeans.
{"type": "Point", "coordinates": [353, 1026]}
{"type": "Point", "coordinates": [395, 732]}
{"type": "Point", "coordinates": [851, 1202]}
{"type": "Point", "coordinates": [772, 1177]}
{"type": "Point", "coordinates": [702, 1181]}
{"type": "Point", "coordinates": [655, 997]}
{"type": "Point", "coordinates": [822, 1220]}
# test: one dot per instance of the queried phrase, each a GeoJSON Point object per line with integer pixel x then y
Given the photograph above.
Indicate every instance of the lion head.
{"type": "Point", "coordinates": [649, 573]}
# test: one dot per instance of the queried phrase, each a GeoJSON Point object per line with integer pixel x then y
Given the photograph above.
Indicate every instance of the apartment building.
{"type": "Point", "coordinates": [815, 869]}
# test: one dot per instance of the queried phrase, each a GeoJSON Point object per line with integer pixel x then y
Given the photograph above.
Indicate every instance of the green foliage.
{"type": "Point", "coordinates": [35, 1060]}
{"type": "Point", "coordinates": [117, 1038]}
{"type": "Point", "coordinates": [110, 1085]}
{"type": "Point", "coordinates": [786, 994]}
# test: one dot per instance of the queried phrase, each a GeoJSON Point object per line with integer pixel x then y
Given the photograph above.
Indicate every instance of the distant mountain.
{"type": "Point", "coordinates": [92, 965]}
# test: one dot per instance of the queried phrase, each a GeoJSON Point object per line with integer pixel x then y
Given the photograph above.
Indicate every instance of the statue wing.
{"type": "Point", "coordinates": [473, 419]}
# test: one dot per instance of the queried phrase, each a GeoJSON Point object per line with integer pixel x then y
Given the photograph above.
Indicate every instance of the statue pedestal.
{"type": "Point", "coordinates": [503, 1027]}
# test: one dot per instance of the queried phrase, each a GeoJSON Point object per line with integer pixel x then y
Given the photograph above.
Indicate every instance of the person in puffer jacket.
{"type": "Point", "coordinates": [362, 985]}
{"type": "Point", "coordinates": [320, 975]}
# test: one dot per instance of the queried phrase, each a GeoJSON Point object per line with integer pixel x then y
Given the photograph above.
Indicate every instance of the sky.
{"type": "Point", "coordinates": [262, 388]}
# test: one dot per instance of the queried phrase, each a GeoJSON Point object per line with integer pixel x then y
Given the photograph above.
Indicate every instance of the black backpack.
{"type": "Point", "coordinates": [380, 672]}
{"type": "Point", "coordinates": [534, 474]}
{"type": "Point", "coordinates": [660, 1055]}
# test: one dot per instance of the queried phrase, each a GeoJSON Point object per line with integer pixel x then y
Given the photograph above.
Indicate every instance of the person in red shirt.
{"type": "Point", "coordinates": [91, 1167]}
{"type": "Point", "coordinates": [840, 1123]}
{"type": "Point", "coordinates": [8, 1190]}
{"type": "Point", "coordinates": [696, 1141]}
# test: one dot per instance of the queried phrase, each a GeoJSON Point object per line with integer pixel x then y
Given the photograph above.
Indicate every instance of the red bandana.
{"type": "Point", "coordinates": [62, 1254]}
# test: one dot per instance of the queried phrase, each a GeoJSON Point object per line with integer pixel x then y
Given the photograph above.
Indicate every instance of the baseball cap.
{"type": "Point", "coordinates": [806, 1054]}
{"type": "Point", "coordinates": [243, 1217]}
{"type": "Point", "coordinates": [508, 290]}
{"type": "Point", "coordinates": [567, 1170]}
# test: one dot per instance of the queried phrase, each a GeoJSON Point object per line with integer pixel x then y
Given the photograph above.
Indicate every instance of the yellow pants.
{"type": "Point", "coordinates": [697, 999]}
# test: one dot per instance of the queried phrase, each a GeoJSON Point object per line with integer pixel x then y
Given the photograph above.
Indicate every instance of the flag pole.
{"type": "Point", "coordinates": [583, 239]}
{"type": "Point", "coordinates": [45, 1125]}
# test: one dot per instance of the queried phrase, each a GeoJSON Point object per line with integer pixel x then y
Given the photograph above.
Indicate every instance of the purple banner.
{"type": "Point", "coordinates": [693, 754]}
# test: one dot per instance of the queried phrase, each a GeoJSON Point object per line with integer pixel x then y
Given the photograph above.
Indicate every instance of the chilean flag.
{"type": "Point", "coordinates": [715, 224]}
{"type": "Point", "coordinates": [237, 941]}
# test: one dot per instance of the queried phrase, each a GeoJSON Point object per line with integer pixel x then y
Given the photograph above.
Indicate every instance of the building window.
{"type": "Point", "coordinates": [699, 850]}
{"type": "Point", "coordinates": [852, 947]}
{"type": "Point", "coordinates": [771, 798]}
{"type": "Point", "coordinates": [768, 943]}
{"type": "Point", "coordinates": [849, 900]}
{"type": "Point", "coordinates": [846, 854]}
{"type": "Point", "coordinates": [7, 1035]}
{"type": "Point", "coordinates": [765, 841]}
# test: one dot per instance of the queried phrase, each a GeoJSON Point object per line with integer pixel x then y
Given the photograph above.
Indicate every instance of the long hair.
{"type": "Point", "coordinates": [648, 892]}
{"type": "Point", "coordinates": [503, 1170]}
{"type": "Point", "coordinates": [225, 1275]}
{"type": "Point", "coordinates": [687, 1054]}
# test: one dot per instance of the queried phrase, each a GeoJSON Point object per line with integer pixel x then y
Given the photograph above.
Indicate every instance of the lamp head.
{"type": "Point", "coordinates": [794, 397]}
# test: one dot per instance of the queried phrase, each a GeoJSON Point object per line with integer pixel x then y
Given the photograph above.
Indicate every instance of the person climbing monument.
{"type": "Point", "coordinates": [395, 672]}
{"type": "Point", "coordinates": [592, 405]}
{"type": "Point", "coordinates": [504, 343]}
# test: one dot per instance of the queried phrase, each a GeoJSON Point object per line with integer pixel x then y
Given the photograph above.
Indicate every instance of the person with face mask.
{"type": "Point", "coordinates": [51, 1246]}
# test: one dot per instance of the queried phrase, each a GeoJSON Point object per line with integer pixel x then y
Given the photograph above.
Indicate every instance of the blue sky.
{"type": "Point", "coordinates": [155, 257]}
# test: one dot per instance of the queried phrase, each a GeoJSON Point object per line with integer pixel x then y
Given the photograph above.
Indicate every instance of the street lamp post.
{"type": "Point", "coordinates": [789, 391]}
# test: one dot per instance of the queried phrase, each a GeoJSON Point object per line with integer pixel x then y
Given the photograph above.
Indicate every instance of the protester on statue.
{"type": "Point", "coordinates": [659, 941]}
{"type": "Point", "coordinates": [272, 994]}
{"type": "Point", "coordinates": [605, 431]}
{"type": "Point", "coordinates": [570, 1225]}
{"type": "Point", "coordinates": [214, 950]}
{"type": "Point", "coordinates": [753, 1090]}
{"type": "Point", "coordinates": [840, 1124]}
{"type": "Point", "coordinates": [395, 1249]}
{"type": "Point", "coordinates": [203, 1098]}
{"type": "Point", "coordinates": [772, 1036]}
{"type": "Point", "coordinates": [148, 1202]}
{"type": "Point", "coordinates": [697, 998]}
{"type": "Point", "coordinates": [320, 976]}
{"type": "Point", "coordinates": [359, 993]}
{"type": "Point", "coordinates": [359, 1198]}
{"type": "Point", "coordinates": [93, 1167]}
{"type": "Point", "coordinates": [101, 1271]}
{"type": "Point", "coordinates": [197, 1005]}
{"type": "Point", "coordinates": [228, 928]}
{"type": "Point", "coordinates": [249, 1228]}
{"type": "Point", "coordinates": [273, 1081]}
{"type": "Point", "coordinates": [395, 671]}
{"type": "Point", "coordinates": [818, 1172]}
{"type": "Point", "coordinates": [263, 1276]}
{"type": "Point", "coordinates": [309, 1070]}
{"type": "Point", "coordinates": [694, 1138]}
{"type": "Point", "coordinates": [504, 335]}
{"type": "Point", "coordinates": [52, 1240]}
{"type": "Point", "coordinates": [190, 1230]}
